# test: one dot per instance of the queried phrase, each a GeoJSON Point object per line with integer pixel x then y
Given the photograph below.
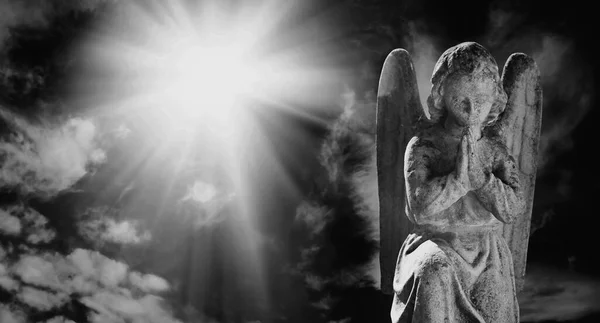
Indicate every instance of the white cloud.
{"type": "Point", "coordinates": [201, 192]}
{"type": "Point", "coordinates": [155, 309]}
{"type": "Point", "coordinates": [59, 319]}
{"type": "Point", "coordinates": [111, 307]}
{"type": "Point", "coordinates": [203, 203]}
{"type": "Point", "coordinates": [8, 315]}
{"type": "Point", "coordinates": [92, 264]}
{"type": "Point", "coordinates": [99, 226]}
{"type": "Point", "coordinates": [42, 236]}
{"type": "Point", "coordinates": [314, 217]}
{"type": "Point", "coordinates": [45, 160]}
{"type": "Point", "coordinates": [107, 302]}
{"type": "Point", "coordinates": [9, 224]}
{"type": "Point", "coordinates": [29, 223]}
{"type": "Point", "coordinates": [81, 285]}
{"type": "Point", "coordinates": [102, 284]}
{"type": "Point", "coordinates": [8, 284]}
{"type": "Point", "coordinates": [42, 300]}
{"type": "Point", "coordinates": [148, 282]}
{"type": "Point", "coordinates": [124, 232]}
{"type": "Point", "coordinates": [37, 227]}
{"type": "Point", "coordinates": [425, 54]}
{"type": "Point", "coordinates": [104, 318]}
{"type": "Point", "coordinates": [81, 259]}
{"type": "Point", "coordinates": [36, 271]}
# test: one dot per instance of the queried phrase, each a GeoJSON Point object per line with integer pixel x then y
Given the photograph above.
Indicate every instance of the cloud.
{"type": "Point", "coordinates": [203, 203]}
{"type": "Point", "coordinates": [38, 13]}
{"type": "Point", "coordinates": [201, 192]}
{"type": "Point", "coordinates": [9, 224]}
{"type": "Point", "coordinates": [30, 225]}
{"type": "Point", "coordinates": [36, 225]}
{"type": "Point", "coordinates": [551, 294]}
{"type": "Point", "coordinates": [109, 230]}
{"type": "Point", "coordinates": [41, 300]}
{"type": "Point", "coordinates": [44, 161]}
{"type": "Point", "coordinates": [18, 81]}
{"type": "Point", "coordinates": [37, 271]}
{"type": "Point", "coordinates": [95, 266]}
{"type": "Point", "coordinates": [359, 120]}
{"type": "Point", "coordinates": [568, 93]}
{"type": "Point", "coordinates": [424, 53]}
{"type": "Point", "coordinates": [124, 232]}
{"type": "Point", "coordinates": [567, 82]}
{"type": "Point", "coordinates": [48, 281]}
{"type": "Point", "coordinates": [313, 216]}
{"type": "Point", "coordinates": [9, 315]}
{"type": "Point", "coordinates": [59, 319]}
{"type": "Point", "coordinates": [148, 282]}
{"type": "Point", "coordinates": [8, 284]}
{"type": "Point", "coordinates": [111, 307]}
{"type": "Point", "coordinates": [340, 219]}
{"type": "Point", "coordinates": [99, 225]}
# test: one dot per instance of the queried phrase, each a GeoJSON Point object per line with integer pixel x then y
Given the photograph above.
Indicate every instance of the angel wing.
{"type": "Point", "coordinates": [399, 110]}
{"type": "Point", "coordinates": [519, 126]}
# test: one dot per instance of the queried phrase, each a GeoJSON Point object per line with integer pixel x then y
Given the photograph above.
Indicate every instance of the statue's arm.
{"type": "Point", "coordinates": [501, 194]}
{"type": "Point", "coordinates": [428, 193]}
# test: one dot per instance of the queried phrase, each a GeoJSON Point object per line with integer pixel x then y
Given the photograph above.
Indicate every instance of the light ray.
{"type": "Point", "coordinates": [188, 79]}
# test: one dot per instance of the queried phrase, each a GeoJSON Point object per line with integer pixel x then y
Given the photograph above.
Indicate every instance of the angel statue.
{"type": "Point", "coordinates": [465, 184]}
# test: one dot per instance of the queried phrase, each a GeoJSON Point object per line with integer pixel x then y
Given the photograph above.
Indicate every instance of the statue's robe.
{"type": "Point", "coordinates": [455, 266]}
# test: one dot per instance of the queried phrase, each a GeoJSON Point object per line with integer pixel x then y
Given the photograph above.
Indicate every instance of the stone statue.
{"type": "Point", "coordinates": [455, 211]}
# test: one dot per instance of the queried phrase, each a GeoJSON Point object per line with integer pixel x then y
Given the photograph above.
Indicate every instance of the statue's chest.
{"type": "Point", "coordinates": [445, 161]}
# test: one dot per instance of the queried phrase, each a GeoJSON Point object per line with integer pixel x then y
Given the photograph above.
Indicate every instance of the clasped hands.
{"type": "Point", "coordinates": [470, 170]}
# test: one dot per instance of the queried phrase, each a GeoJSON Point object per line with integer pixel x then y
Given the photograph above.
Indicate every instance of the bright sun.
{"type": "Point", "coordinates": [190, 70]}
{"type": "Point", "coordinates": [183, 67]}
{"type": "Point", "coordinates": [204, 82]}
{"type": "Point", "coordinates": [201, 86]}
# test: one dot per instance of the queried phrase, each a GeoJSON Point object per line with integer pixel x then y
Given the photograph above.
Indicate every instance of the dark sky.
{"type": "Point", "coordinates": [296, 243]}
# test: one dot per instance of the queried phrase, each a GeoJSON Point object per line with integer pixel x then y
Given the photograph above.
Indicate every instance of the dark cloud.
{"type": "Point", "coordinates": [38, 13]}
{"type": "Point", "coordinates": [349, 161]}
{"type": "Point", "coordinates": [567, 81]}
{"type": "Point", "coordinates": [558, 296]}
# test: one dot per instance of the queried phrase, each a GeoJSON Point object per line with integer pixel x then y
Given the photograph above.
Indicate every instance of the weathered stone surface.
{"type": "Point", "coordinates": [396, 122]}
{"type": "Point", "coordinates": [520, 127]}
{"type": "Point", "coordinates": [467, 174]}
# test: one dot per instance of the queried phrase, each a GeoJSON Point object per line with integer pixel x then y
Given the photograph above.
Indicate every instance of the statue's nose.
{"type": "Point", "coordinates": [467, 106]}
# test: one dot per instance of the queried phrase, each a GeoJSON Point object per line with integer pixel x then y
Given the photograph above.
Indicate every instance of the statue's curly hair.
{"type": "Point", "coordinates": [464, 58]}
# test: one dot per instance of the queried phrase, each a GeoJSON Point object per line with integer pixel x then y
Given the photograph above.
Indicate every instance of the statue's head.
{"type": "Point", "coordinates": [466, 86]}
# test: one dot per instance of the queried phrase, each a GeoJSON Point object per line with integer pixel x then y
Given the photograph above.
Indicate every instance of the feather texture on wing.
{"type": "Point", "coordinates": [399, 112]}
{"type": "Point", "coordinates": [519, 127]}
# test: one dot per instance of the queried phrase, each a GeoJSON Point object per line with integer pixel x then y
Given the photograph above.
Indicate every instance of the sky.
{"type": "Point", "coordinates": [204, 161]}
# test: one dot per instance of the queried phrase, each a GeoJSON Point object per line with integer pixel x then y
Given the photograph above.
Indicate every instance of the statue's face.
{"type": "Point", "coordinates": [469, 97]}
